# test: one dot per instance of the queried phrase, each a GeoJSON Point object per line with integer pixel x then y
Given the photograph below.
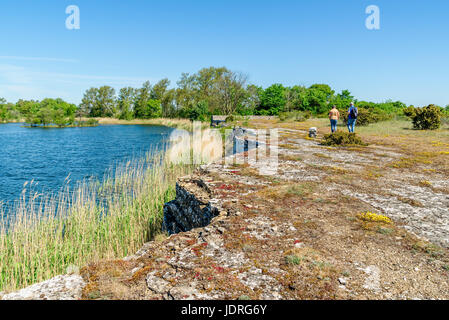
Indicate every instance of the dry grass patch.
{"type": "Point", "coordinates": [286, 191]}
{"type": "Point", "coordinates": [288, 146]}
{"type": "Point", "coordinates": [321, 155]}
{"type": "Point", "coordinates": [412, 202]}
{"type": "Point", "coordinates": [290, 157]}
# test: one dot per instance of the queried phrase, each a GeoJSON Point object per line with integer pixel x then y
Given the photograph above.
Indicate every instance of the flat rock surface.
{"type": "Point", "coordinates": [65, 287]}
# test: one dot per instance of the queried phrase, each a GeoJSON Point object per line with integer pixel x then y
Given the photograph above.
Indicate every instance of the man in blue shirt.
{"type": "Point", "coordinates": [352, 117]}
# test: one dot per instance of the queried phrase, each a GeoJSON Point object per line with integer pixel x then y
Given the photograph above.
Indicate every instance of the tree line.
{"type": "Point", "coordinates": [196, 96]}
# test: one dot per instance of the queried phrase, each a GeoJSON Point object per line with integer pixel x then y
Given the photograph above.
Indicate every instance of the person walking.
{"type": "Point", "coordinates": [334, 116]}
{"type": "Point", "coordinates": [352, 117]}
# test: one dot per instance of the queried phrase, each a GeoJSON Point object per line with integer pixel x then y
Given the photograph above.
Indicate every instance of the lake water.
{"type": "Point", "coordinates": [49, 155]}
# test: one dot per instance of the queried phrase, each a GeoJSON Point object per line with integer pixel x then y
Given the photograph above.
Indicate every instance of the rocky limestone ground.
{"type": "Point", "coordinates": [294, 234]}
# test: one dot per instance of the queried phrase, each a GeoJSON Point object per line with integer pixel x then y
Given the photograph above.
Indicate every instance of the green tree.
{"type": "Point", "coordinates": [317, 98]}
{"type": "Point", "coordinates": [106, 102]}
{"type": "Point", "coordinates": [125, 103]}
{"type": "Point", "coordinates": [141, 101]}
{"type": "Point", "coordinates": [272, 100]}
{"type": "Point", "coordinates": [154, 109]}
{"type": "Point", "coordinates": [198, 112]}
{"type": "Point", "coordinates": [99, 102]}
{"type": "Point", "coordinates": [229, 90]}
{"type": "Point", "coordinates": [295, 98]}
{"type": "Point", "coordinates": [343, 100]}
{"type": "Point", "coordinates": [161, 92]}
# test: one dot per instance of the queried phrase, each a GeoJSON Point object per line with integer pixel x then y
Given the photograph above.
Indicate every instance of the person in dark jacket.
{"type": "Point", "coordinates": [352, 117]}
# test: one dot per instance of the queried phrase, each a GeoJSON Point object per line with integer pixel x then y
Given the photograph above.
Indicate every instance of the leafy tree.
{"type": "Point", "coordinates": [59, 118]}
{"type": "Point", "coordinates": [125, 103]}
{"type": "Point", "coordinates": [161, 92]}
{"type": "Point", "coordinates": [272, 100]}
{"type": "Point", "coordinates": [251, 102]}
{"type": "Point", "coordinates": [316, 101]}
{"type": "Point", "coordinates": [99, 102]}
{"type": "Point", "coordinates": [198, 112]}
{"type": "Point", "coordinates": [106, 103]}
{"type": "Point", "coordinates": [154, 109]}
{"type": "Point", "coordinates": [8, 111]}
{"type": "Point", "coordinates": [230, 91]}
{"type": "Point", "coordinates": [141, 102]}
{"type": "Point", "coordinates": [295, 98]}
{"type": "Point", "coordinates": [89, 103]}
{"type": "Point", "coordinates": [343, 101]}
{"type": "Point", "coordinates": [325, 89]}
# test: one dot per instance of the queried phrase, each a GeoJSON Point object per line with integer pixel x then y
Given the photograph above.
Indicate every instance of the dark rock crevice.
{"type": "Point", "coordinates": [191, 208]}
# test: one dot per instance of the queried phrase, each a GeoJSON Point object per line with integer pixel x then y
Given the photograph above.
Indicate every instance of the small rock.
{"type": "Point", "coordinates": [133, 271]}
{"type": "Point", "coordinates": [342, 281]}
{"type": "Point", "coordinates": [64, 287]}
{"type": "Point", "coordinates": [157, 284]}
{"type": "Point", "coordinates": [221, 230]}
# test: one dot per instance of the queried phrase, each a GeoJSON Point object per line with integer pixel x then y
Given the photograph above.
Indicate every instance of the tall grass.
{"type": "Point", "coordinates": [41, 236]}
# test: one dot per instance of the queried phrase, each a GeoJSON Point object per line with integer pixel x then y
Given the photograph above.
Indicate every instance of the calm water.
{"type": "Point", "coordinates": [49, 155]}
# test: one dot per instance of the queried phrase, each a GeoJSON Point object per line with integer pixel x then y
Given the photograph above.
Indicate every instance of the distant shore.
{"type": "Point", "coordinates": [173, 123]}
{"type": "Point", "coordinates": [185, 124]}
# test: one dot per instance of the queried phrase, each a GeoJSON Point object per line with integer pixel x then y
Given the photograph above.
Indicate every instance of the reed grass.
{"type": "Point", "coordinates": [42, 236]}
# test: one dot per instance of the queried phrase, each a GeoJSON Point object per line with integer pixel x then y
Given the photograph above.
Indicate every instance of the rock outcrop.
{"type": "Point", "coordinates": [65, 287]}
{"type": "Point", "coordinates": [192, 207]}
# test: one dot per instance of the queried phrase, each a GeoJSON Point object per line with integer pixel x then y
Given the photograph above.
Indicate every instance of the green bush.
{"type": "Point", "coordinates": [409, 111]}
{"type": "Point", "coordinates": [427, 118]}
{"type": "Point", "coordinates": [294, 116]}
{"type": "Point", "coordinates": [341, 138]}
{"type": "Point", "coordinates": [367, 116]}
{"type": "Point", "coordinates": [197, 112]}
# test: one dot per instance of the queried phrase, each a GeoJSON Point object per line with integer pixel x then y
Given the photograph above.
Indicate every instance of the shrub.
{"type": "Point", "coordinates": [294, 116]}
{"type": "Point", "coordinates": [427, 118]}
{"type": "Point", "coordinates": [368, 116]}
{"type": "Point", "coordinates": [341, 138]}
{"type": "Point", "coordinates": [198, 112]}
{"type": "Point", "coordinates": [409, 111]}
{"type": "Point", "coordinates": [374, 217]}
{"type": "Point", "coordinates": [292, 259]}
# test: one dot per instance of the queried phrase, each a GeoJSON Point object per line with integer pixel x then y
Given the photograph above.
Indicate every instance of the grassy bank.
{"type": "Point", "coordinates": [45, 235]}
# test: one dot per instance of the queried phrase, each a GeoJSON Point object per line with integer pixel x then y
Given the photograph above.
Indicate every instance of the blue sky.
{"type": "Point", "coordinates": [124, 43]}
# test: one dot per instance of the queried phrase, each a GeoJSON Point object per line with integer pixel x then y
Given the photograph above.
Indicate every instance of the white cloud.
{"type": "Point", "coordinates": [18, 82]}
{"type": "Point", "coordinates": [39, 59]}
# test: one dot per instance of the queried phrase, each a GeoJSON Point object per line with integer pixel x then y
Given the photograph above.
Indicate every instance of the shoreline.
{"type": "Point", "coordinates": [175, 123]}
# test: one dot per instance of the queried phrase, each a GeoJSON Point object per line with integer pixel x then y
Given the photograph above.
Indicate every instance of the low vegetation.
{"type": "Point", "coordinates": [294, 116]}
{"type": "Point", "coordinates": [341, 138]}
{"type": "Point", "coordinates": [368, 116]}
{"type": "Point", "coordinates": [427, 118]}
